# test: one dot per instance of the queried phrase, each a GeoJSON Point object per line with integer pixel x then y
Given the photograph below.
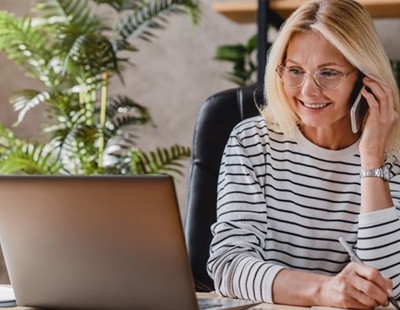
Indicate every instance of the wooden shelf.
{"type": "Point", "coordinates": [239, 12]}
{"type": "Point", "coordinates": [245, 11]}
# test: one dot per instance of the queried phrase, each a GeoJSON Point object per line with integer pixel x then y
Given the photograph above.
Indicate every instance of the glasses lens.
{"type": "Point", "coordinates": [328, 79]}
{"type": "Point", "coordinates": [292, 77]}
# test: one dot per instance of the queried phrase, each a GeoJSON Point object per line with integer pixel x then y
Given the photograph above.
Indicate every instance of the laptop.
{"type": "Point", "coordinates": [100, 242]}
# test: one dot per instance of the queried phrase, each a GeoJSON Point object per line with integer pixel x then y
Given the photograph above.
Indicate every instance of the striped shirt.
{"type": "Point", "coordinates": [284, 204]}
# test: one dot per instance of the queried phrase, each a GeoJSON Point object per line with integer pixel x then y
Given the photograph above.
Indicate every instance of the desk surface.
{"type": "Point", "coordinates": [266, 306]}
{"type": "Point", "coordinates": [262, 306]}
{"type": "Point", "coordinates": [245, 11]}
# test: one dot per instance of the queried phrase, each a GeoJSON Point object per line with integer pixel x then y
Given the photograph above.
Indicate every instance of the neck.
{"type": "Point", "coordinates": [328, 138]}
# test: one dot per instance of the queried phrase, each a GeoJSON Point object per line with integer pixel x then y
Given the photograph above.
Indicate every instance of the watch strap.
{"type": "Point", "coordinates": [383, 172]}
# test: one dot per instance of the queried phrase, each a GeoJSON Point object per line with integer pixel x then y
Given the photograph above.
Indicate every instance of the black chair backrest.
{"type": "Point", "coordinates": [216, 119]}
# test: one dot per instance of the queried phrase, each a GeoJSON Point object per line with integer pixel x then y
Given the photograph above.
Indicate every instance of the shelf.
{"type": "Point", "coordinates": [245, 11]}
{"type": "Point", "coordinates": [240, 12]}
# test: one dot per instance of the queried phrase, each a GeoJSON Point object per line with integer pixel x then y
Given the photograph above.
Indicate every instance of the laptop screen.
{"type": "Point", "coordinates": [95, 242]}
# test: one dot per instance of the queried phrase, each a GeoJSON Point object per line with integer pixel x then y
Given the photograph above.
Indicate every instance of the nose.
{"type": "Point", "coordinates": [310, 88]}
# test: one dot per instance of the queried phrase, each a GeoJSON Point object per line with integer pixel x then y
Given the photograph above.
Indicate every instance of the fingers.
{"type": "Point", "coordinates": [361, 286]}
{"type": "Point", "coordinates": [374, 288]}
{"type": "Point", "coordinates": [380, 98]}
{"type": "Point", "coordinates": [374, 276]}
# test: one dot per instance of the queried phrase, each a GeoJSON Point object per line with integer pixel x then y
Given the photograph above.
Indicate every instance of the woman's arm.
{"type": "Point", "coordinates": [356, 286]}
{"type": "Point", "coordinates": [379, 224]}
{"type": "Point", "coordinates": [381, 119]}
{"type": "Point", "coordinates": [237, 260]}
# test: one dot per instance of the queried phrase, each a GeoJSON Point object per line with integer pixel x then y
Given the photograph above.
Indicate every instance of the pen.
{"type": "Point", "coordinates": [355, 258]}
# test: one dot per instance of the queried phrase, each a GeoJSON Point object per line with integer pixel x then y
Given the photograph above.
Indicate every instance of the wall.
{"type": "Point", "coordinates": [172, 76]}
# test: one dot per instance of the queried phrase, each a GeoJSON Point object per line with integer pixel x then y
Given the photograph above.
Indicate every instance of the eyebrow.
{"type": "Point", "coordinates": [328, 64]}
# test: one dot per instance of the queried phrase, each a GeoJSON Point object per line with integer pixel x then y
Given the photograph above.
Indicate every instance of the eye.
{"type": "Point", "coordinates": [329, 74]}
{"type": "Point", "coordinates": [296, 71]}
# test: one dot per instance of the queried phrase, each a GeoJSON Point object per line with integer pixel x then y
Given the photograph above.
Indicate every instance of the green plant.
{"type": "Point", "coordinates": [74, 53]}
{"type": "Point", "coordinates": [243, 60]}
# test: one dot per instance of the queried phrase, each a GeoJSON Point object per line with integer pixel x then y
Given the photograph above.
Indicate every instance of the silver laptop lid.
{"type": "Point", "coordinates": [95, 242]}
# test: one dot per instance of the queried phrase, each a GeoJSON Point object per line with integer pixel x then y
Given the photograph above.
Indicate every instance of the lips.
{"type": "Point", "coordinates": [315, 106]}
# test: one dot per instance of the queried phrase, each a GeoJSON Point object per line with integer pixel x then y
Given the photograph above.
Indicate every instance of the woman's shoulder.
{"type": "Point", "coordinates": [393, 160]}
{"type": "Point", "coordinates": [255, 126]}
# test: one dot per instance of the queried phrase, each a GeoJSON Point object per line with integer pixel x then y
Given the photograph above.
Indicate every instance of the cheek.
{"type": "Point", "coordinates": [347, 98]}
{"type": "Point", "coordinates": [347, 93]}
{"type": "Point", "coordinates": [291, 92]}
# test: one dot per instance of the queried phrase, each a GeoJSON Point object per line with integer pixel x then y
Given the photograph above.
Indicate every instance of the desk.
{"type": "Point", "coordinates": [245, 11]}
{"type": "Point", "coordinates": [266, 306]}
{"type": "Point", "coordinates": [262, 306]}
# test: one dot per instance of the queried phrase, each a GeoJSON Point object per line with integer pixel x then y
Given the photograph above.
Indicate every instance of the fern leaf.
{"type": "Point", "coordinates": [26, 100]}
{"type": "Point", "coordinates": [161, 161]}
{"type": "Point", "coordinates": [150, 15]}
{"type": "Point", "coordinates": [121, 5]}
{"type": "Point", "coordinates": [123, 111]}
{"type": "Point", "coordinates": [91, 54]}
{"type": "Point", "coordinates": [25, 45]}
{"type": "Point", "coordinates": [25, 158]}
{"type": "Point", "coordinates": [62, 11]}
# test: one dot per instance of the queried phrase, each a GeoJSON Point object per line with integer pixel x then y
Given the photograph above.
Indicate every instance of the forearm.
{"type": "Point", "coordinates": [356, 286]}
{"type": "Point", "coordinates": [375, 195]}
{"type": "Point", "coordinates": [375, 192]}
{"type": "Point", "coordinates": [380, 122]}
{"type": "Point", "coordinates": [298, 288]}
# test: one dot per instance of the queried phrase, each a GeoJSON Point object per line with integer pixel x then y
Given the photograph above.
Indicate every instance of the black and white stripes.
{"type": "Point", "coordinates": [283, 203]}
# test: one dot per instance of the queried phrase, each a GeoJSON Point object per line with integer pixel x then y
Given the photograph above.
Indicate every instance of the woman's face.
{"type": "Point", "coordinates": [310, 51]}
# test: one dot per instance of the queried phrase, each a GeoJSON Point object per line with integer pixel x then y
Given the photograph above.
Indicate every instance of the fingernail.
{"type": "Point", "coordinates": [389, 292]}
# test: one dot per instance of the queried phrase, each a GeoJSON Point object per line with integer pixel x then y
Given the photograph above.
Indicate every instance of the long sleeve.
{"type": "Point", "coordinates": [237, 259]}
{"type": "Point", "coordinates": [378, 243]}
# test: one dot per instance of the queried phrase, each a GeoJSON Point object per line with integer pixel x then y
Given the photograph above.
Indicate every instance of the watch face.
{"type": "Point", "coordinates": [386, 173]}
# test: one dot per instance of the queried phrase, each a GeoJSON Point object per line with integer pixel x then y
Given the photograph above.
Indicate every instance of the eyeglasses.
{"type": "Point", "coordinates": [327, 79]}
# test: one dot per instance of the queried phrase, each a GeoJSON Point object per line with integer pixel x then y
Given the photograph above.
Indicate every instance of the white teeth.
{"type": "Point", "coordinates": [315, 106]}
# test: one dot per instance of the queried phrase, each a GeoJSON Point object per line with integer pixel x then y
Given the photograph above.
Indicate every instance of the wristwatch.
{"type": "Point", "coordinates": [382, 172]}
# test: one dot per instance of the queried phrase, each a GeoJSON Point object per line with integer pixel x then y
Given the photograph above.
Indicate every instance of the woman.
{"type": "Point", "coordinates": [297, 178]}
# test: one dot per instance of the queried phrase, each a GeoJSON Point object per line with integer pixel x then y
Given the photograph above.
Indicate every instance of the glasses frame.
{"type": "Point", "coordinates": [343, 76]}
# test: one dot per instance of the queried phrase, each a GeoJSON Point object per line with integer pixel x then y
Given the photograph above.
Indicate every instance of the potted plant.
{"type": "Point", "coordinates": [74, 53]}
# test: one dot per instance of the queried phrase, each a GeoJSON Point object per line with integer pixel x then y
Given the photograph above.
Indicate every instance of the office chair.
{"type": "Point", "coordinates": [216, 119]}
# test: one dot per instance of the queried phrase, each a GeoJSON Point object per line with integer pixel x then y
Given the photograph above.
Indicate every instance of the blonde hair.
{"type": "Point", "coordinates": [346, 25]}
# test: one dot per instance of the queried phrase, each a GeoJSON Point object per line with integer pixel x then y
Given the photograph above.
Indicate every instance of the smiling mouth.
{"type": "Point", "coordinates": [313, 105]}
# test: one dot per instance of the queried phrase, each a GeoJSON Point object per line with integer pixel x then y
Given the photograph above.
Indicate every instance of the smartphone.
{"type": "Point", "coordinates": [359, 107]}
